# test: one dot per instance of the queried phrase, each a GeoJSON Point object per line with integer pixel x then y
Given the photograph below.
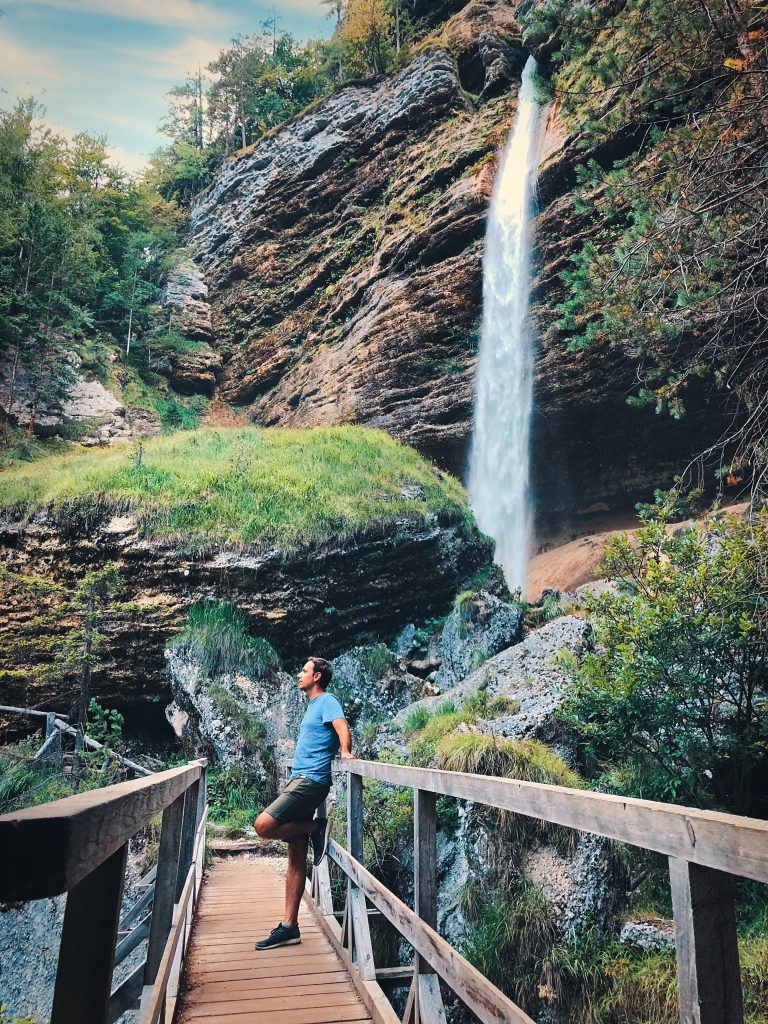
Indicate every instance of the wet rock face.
{"type": "Point", "coordinates": [309, 600]}
{"type": "Point", "coordinates": [344, 259]}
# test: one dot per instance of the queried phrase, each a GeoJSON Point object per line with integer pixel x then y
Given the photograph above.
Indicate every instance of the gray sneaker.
{"type": "Point", "coordinates": [319, 840]}
{"type": "Point", "coordinates": [283, 935]}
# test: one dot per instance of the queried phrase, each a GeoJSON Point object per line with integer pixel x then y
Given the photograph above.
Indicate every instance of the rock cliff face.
{"type": "Point", "coordinates": [323, 598]}
{"type": "Point", "coordinates": [343, 252]}
{"type": "Point", "coordinates": [343, 255]}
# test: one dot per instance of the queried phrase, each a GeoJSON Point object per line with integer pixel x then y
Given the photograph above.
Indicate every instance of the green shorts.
{"type": "Point", "coordinates": [298, 801]}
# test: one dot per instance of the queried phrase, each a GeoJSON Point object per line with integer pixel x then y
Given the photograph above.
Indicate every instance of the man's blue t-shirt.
{"type": "Point", "coordinates": [318, 743]}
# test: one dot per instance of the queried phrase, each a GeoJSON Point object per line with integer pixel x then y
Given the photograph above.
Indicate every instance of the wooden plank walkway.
{"type": "Point", "coordinates": [226, 979]}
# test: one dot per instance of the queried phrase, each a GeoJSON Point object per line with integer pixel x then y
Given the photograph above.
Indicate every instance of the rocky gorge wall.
{"type": "Point", "coordinates": [343, 256]}
{"type": "Point", "coordinates": [323, 598]}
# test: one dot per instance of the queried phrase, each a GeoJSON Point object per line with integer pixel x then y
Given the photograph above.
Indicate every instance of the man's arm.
{"type": "Point", "coordinates": [345, 737]}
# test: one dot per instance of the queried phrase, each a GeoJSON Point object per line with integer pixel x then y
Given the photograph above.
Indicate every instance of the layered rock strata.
{"type": "Point", "coordinates": [322, 598]}
{"type": "Point", "coordinates": [343, 255]}
{"type": "Point", "coordinates": [343, 252]}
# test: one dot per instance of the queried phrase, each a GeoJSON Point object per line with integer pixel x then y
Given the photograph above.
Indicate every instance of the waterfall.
{"type": "Point", "coordinates": [499, 467]}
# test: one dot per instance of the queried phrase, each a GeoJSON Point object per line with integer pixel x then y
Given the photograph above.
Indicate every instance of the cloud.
{"type": "Point", "coordinates": [21, 65]}
{"type": "Point", "coordinates": [187, 13]}
{"type": "Point", "coordinates": [171, 64]}
{"type": "Point", "coordinates": [131, 162]}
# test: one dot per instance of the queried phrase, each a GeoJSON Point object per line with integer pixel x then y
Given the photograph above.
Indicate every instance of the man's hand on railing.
{"type": "Point", "coordinates": [347, 755]}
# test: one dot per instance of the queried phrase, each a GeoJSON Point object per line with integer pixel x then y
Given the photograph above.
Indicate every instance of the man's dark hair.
{"type": "Point", "coordinates": [324, 668]}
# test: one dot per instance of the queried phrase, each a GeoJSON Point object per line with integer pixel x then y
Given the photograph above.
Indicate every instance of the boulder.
{"type": "Point", "coordinates": [372, 683]}
{"type": "Point", "coordinates": [479, 627]}
{"type": "Point", "coordinates": [243, 721]}
{"type": "Point", "coordinates": [530, 675]}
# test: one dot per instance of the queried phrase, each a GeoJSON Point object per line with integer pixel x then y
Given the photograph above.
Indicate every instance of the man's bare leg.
{"type": "Point", "coordinates": [267, 827]}
{"type": "Point", "coordinates": [296, 834]}
{"type": "Point", "coordinates": [295, 879]}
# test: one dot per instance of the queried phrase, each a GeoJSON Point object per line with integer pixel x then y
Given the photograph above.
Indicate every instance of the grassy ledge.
{"type": "Point", "coordinates": [243, 486]}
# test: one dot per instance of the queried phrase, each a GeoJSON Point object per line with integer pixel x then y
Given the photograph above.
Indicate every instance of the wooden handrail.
{"type": "Point", "coordinates": [480, 995]}
{"type": "Point", "coordinates": [46, 850]}
{"type": "Point", "coordinates": [705, 850]}
{"type": "Point", "coordinates": [79, 845]}
{"type": "Point", "coordinates": [725, 842]}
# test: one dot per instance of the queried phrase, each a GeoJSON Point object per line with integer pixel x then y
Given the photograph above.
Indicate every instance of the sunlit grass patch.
{"type": "Point", "coordinates": [483, 754]}
{"type": "Point", "coordinates": [246, 486]}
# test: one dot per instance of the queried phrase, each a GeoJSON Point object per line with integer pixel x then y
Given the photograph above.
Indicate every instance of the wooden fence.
{"type": "Point", "coordinates": [79, 846]}
{"type": "Point", "coordinates": [705, 850]}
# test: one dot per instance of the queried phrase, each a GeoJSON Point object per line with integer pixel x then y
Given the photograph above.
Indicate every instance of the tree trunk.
{"type": "Point", "coordinates": [130, 312]}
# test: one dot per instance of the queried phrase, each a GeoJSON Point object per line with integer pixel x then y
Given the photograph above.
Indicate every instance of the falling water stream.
{"type": "Point", "coordinates": [499, 467]}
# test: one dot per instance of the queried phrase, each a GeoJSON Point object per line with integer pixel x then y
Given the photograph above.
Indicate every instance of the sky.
{"type": "Point", "coordinates": [105, 66]}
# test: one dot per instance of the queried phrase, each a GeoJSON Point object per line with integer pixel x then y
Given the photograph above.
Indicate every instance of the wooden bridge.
{"type": "Point", "coordinates": [200, 965]}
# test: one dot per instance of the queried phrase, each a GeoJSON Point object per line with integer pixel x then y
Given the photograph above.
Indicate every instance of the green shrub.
{"type": "Point", "coordinates": [236, 795]}
{"type": "Point", "coordinates": [673, 694]}
{"type": "Point", "coordinates": [510, 937]}
{"type": "Point", "coordinates": [415, 720]}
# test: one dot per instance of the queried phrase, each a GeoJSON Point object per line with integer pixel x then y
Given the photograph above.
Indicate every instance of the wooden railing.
{"type": "Point", "coordinates": [79, 846]}
{"type": "Point", "coordinates": [705, 850]}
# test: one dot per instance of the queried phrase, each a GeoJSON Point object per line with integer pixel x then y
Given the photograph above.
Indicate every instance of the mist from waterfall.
{"type": "Point", "coordinates": [499, 467]}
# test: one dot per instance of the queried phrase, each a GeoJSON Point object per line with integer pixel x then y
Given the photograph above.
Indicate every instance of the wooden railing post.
{"type": "Point", "coordinates": [165, 888]}
{"type": "Point", "coordinates": [188, 829]}
{"type": "Point", "coordinates": [357, 913]}
{"type": "Point", "coordinates": [707, 948]}
{"type": "Point", "coordinates": [427, 995]}
{"type": "Point", "coordinates": [189, 825]}
{"type": "Point", "coordinates": [87, 951]}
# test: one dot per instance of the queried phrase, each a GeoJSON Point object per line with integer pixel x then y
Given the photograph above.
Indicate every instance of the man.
{"type": "Point", "coordinates": [323, 732]}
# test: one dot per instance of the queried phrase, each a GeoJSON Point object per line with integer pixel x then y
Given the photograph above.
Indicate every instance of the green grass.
{"type": "Point", "coordinates": [244, 486]}
{"type": "Point", "coordinates": [527, 760]}
{"type": "Point", "coordinates": [216, 634]}
{"type": "Point", "coordinates": [426, 730]}
{"type": "Point", "coordinates": [510, 935]}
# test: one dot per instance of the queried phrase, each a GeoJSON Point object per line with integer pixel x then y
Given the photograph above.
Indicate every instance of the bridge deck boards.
{"type": "Point", "coordinates": [226, 980]}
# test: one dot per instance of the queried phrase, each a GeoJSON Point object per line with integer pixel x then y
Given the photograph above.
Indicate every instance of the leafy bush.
{"type": "Point", "coordinates": [674, 694]}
